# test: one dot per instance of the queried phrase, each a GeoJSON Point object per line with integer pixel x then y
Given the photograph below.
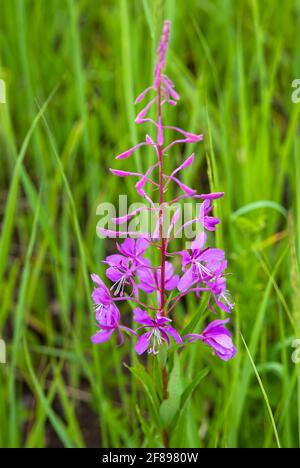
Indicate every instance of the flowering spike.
{"type": "Point", "coordinates": [161, 54]}
{"type": "Point", "coordinates": [132, 271]}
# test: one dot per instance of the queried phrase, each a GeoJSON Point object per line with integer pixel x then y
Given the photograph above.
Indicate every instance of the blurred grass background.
{"type": "Point", "coordinates": [72, 69]}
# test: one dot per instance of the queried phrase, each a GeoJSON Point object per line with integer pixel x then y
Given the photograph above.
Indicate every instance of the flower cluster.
{"type": "Point", "coordinates": [130, 270]}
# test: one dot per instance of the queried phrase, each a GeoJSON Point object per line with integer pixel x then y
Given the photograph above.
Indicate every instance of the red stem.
{"type": "Point", "coordinates": [163, 248]}
{"type": "Point", "coordinates": [161, 213]}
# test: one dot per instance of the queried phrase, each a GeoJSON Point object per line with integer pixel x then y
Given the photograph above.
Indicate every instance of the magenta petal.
{"type": "Point", "coordinates": [143, 343]}
{"type": "Point", "coordinates": [199, 242]}
{"type": "Point", "coordinates": [229, 354]}
{"type": "Point", "coordinates": [214, 326]}
{"type": "Point", "coordinates": [142, 245]}
{"type": "Point", "coordinates": [101, 295]}
{"type": "Point", "coordinates": [97, 280]}
{"type": "Point", "coordinates": [185, 259]}
{"type": "Point", "coordinates": [171, 331]}
{"type": "Point", "coordinates": [101, 336]}
{"type": "Point", "coordinates": [224, 340]}
{"type": "Point", "coordinates": [115, 260]}
{"type": "Point", "coordinates": [141, 316]}
{"type": "Point", "coordinates": [161, 320]}
{"type": "Point", "coordinates": [127, 248]}
{"type": "Point", "coordinates": [209, 223]}
{"type": "Point", "coordinates": [147, 288]}
{"type": "Point", "coordinates": [114, 274]}
{"type": "Point", "coordinates": [147, 281]}
{"type": "Point", "coordinates": [219, 338]}
{"type": "Point", "coordinates": [97, 295]}
{"type": "Point", "coordinates": [211, 196]}
{"type": "Point", "coordinates": [169, 270]}
{"type": "Point", "coordinates": [186, 281]}
{"type": "Point", "coordinates": [172, 283]}
{"type": "Point", "coordinates": [212, 255]}
{"type": "Point", "coordinates": [171, 280]}
{"type": "Point", "coordinates": [223, 352]}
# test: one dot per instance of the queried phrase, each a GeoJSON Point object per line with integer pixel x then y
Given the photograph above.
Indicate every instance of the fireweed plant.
{"type": "Point", "coordinates": [130, 271]}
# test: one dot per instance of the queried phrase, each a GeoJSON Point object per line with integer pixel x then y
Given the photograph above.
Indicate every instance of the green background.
{"type": "Point", "coordinates": [233, 63]}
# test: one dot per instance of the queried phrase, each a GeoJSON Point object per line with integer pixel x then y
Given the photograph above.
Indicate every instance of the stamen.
{"type": "Point", "coordinates": [226, 295]}
{"type": "Point", "coordinates": [119, 285]}
{"type": "Point", "coordinates": [157, 341]}
{"type": "Point", "coordinates": [202, 269]}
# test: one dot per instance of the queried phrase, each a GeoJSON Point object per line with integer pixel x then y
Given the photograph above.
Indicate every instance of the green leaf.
{"type": "Point", "coordinates": [170, 407]}
{"type": "Point", "coordinates": [258, 205]}
{"type": "Point", "coordinates": [56, 422]}
{"type": "Point", "coordinates": [265, 396]}
{"type": "Point", "coordinates": [191, 387]}
{"type": "Point", "coordinates": [142, 375]}
{"type": "Point", "coordinates": [185, 398]}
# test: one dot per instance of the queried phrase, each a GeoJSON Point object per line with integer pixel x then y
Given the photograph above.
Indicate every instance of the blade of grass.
{"type": "Point", "coordinates": [263, 392]}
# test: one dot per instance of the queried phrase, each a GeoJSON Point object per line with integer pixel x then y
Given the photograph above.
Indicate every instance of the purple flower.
{"type": "Point", "coordinates": [208, 222]}
{"type": "Point", "coordinates": [217, 337]}
{"type": "Point", "coordinates": [221, 295]}
{"type": "Point", "coordinates": [159, 332]}
{"type": "Point", "coordinates": [201, 266]}
{"type": "Point", "coordinates": [107, 314]}
{"type": "Point", "coordinates": [150, 280]}
{"type": "Point", "coordinates": [121, 271]}
{"type": "Point", "coordinates": [102, 299]}
{"type": "Point", "coordinates": [123, 267]}
{"type": "Point", "coordinates": [212, 196]}
{"type": "Point", "coordinates": [203, 263]}
{"type": "Point", "coordinates": [134, 249]}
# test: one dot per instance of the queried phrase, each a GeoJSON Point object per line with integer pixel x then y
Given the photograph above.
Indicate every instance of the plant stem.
{"type": "Point", "coordinates": [163, 246]}
{"type": "Point", "coordinates": [161, 214]}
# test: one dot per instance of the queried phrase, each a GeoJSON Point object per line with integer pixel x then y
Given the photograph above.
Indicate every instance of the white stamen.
{"type": "Point", "coordinates": [157, 341]}
{"type": "Point", "coordinates": [226, 295]}
{"type": "Point", "coordinates": [202, 269]}
{"type": "Point", "coordinates": [119, 285]}
{"type": "Point", "coordinates": [99, 311]}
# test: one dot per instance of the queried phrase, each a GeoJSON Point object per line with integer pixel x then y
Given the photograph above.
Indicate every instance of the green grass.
{"type": "Point", "coordinates": [72, 69]}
